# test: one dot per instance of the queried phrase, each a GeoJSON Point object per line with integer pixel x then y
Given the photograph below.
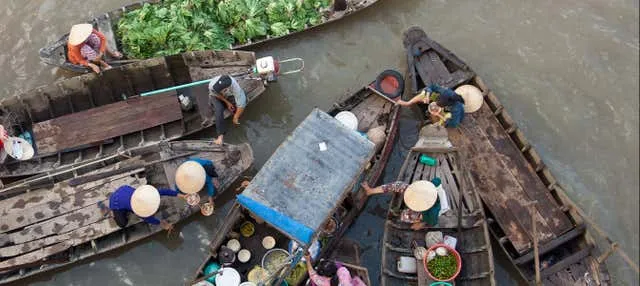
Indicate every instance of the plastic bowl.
{"type": "Point", "coordinates": [450, 250]}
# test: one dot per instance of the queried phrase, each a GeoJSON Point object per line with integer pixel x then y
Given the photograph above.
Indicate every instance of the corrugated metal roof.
{"type": "Point", "coordinates": [305, 181]}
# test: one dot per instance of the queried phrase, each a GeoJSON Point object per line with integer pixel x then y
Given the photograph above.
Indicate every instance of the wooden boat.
{"type": "Point", "coordinates": [56, 53]}
{"type": "Point", "coordinates": [316, 168]}
{"type": "Point", "coordinates": [98, 116]}
{"type": "Point", "coordinates": [465, 220]}
{"type": "Point", "coordinates": [510, 175]}
{"type": "Point", "coordinates": [54, 226]}
{"type": "Point", "coordinates": [347, 252]}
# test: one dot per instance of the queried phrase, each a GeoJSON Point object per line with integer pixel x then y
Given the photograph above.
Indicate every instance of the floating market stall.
{"type": "Point", "coordinates": [154, 28]}
{"type": "Point", "coordinates": [62, 223]}
{"type": "Point", "coordinates": [285, 208]}
{"type": "Point", "coordinates": [89, 117]}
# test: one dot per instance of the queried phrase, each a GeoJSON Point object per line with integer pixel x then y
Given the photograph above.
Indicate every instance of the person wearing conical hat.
{"type": "Point", "coordinates": [225, 91]}
{"type": "Point", "coordinates": [195, 174]}
{"type": "Point", "coordinates": [448, 101]}
{"type": "Point", "coordinates": [143, 201]}
{"type": "Point", "coordinates": [87, 46]}
{"type": "Point", "coordinates": [420, 198]}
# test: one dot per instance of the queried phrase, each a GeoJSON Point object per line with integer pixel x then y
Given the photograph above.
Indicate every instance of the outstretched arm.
{"type": "Point", "coordinates": [421, 97]}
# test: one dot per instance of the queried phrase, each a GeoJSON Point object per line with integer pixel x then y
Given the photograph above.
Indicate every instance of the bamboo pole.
{"type": "Point", "coordinates": [534, 229]}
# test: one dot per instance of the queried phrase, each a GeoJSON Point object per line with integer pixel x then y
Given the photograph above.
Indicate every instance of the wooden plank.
{"type": "Point", "coordinates": [525, 175]}
{"type": "Point", "coordinates": [552, 244]}
{"type": "Point", "coordinates": [48, 209]}
{"type": "Point", "coordinates": [573, 258]}
{"type": "Point", "coordinates": [60, 224]}
{"type": "Point", "coordinates": [496, 185]}
{"type": "Point", "coordinates": [105, 122]}
{"type": "Point", "coordinates": [448, 182]}
{"type": "Point", "coordinates": [35, 256]}
{"type": "Point", "coordinates": [82, 232]}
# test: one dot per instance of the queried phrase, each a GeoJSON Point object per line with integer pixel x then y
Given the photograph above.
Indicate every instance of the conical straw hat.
{"type": "Point", "coordinates": [79, 33]}
{"type": "Point", "coordinates": [472, 97]}
{"type": "Point", "coordinates": [190, 177]}
{"type": "Point", "coordinates": [420, 196]}
{"type": "Point", "coordinates": [145, 201]}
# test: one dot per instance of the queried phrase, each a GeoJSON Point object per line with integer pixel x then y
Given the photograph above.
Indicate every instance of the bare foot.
{"type": "Point", "coordinates": [116, 55]}
{"type": "Point", "coordinates": [218, 141]}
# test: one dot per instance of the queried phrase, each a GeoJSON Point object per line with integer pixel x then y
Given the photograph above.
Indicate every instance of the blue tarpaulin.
{"type": "Point", "coordinates": [309, 174]}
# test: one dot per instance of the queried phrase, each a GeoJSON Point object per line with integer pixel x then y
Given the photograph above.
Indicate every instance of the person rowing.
{"type": "Point", "coordinates": [87, 46]}
{"type": "Point", "coordinates": [223, 90]}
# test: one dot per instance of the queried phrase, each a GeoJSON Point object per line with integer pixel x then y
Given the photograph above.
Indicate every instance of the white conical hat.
{"type": "Point", "coordinates": [473, 98]}
{"type": "Point", "coordinates": [79, 33]}
{"type": "Point", "coordinates": [145, 201]}
{"type": "Point", "coordinates": [190, 177]}
{"type": "Point", "coordinates": [420, 196]}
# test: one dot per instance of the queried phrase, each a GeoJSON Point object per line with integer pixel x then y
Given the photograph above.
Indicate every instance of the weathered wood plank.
{"type": "Point", "coordinates": [47, 209]}
{"type": "Point", "coordinates": [496, 185]}
{"type": "Point", "coordinates": [105, 122]}
{"type": "Point", "coordinates": [61, 224]}
{"type": "Point", "coordinates": [557, 221]}
{"type": "Point", "coordinates": [36, 196]}
{"type": "Point", "coordinates": [36, 255]}
{"type": "Point", "coordinates": [82, 232]}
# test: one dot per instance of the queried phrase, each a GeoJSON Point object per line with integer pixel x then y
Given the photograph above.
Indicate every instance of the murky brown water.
{"type": "Point", "coordinates": [567, 71]}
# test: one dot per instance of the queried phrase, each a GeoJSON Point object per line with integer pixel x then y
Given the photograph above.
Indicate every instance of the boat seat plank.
{"type": "Point", "coordinates": [543, 249]}
{"type": "Point", "coordinates": [491, 174]}
{"type": "Point", "coordinates": [576, 257]}
{"type": "Point", "coordinates": [57, 209]}
{"type": "Point", "coordinates": [104, 122]}
{"type": "Point", "coordinates": [25, 247]}
{"type": "Point", "coordinates": [557, 220]}
{"type": "Point", "coordinates": [35, 256]}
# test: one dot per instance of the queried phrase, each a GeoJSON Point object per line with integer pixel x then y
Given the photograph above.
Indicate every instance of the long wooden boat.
{"type": "Point", "coordinates": [295, 194]}
{"type": "Point", "coordinates": [510, 175]}
{"type": "Point", "coordinates": [100, 116]}
{"type": "Point", "coordinates": [465, 220]}
{"type": "Point", "coordinates": [56, 53]}
{"type": "Point", "coordinates": [51, 227]}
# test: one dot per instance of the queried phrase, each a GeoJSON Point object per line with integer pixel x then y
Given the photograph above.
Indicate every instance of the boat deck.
{"type": "Point", "coordinates": [496, 163]}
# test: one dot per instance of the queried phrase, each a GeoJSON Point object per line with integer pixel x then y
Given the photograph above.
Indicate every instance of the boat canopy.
{"type": "Point", "coordinates": [308, 176]}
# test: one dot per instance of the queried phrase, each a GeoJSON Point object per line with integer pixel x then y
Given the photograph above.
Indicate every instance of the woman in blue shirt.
{"type": "Point", "coordinates": [143, 201]}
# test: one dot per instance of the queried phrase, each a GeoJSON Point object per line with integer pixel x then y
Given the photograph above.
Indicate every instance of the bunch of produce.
{"type": "Point", "coordinates": [443, 267]}
{"type": "Point", "coordinates": [175, 26]}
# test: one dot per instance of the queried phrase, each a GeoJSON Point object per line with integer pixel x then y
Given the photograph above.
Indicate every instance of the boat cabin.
{"type": "Point", "coordinates": [295, 199]}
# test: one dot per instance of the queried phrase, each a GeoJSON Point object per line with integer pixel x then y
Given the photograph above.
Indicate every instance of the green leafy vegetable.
{"type": "Point", "coordinates": [175, 26]}
{"type": "Point", "coordinates": [443, 267]}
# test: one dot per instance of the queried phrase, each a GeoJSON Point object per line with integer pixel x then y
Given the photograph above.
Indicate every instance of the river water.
{"type": "Point", "coordinates": [567, 72]}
